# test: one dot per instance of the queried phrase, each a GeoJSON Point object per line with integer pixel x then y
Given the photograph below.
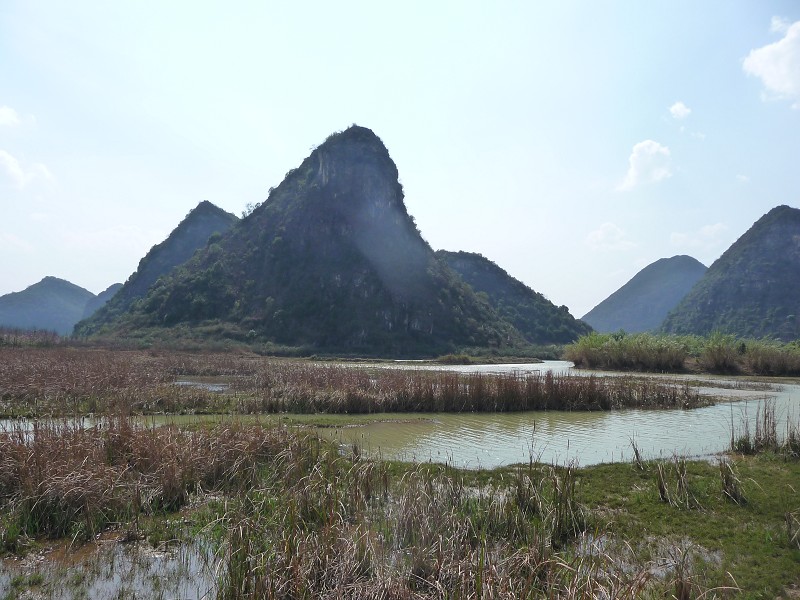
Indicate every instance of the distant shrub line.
{"type": "Point", "coordinates": [716, 353]}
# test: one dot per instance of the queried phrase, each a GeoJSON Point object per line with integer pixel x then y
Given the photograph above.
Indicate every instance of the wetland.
{"type": "Point", "coordinates": [257, 477]}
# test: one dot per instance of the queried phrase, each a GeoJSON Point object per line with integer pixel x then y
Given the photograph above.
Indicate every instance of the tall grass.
{"type": "Point", "coordinates": [69, 381]}
{"type": "Point", "coordinates": [305, 388]}
{"type": "Point", "coordinates": [716, 353]}
{"type": "Point", "coordinates": [636, 352]}
{"type": "Point", "coordinates": [63, 479]}
{"type": "Point", "coordinates": [764, 435]}
{"type": "Point", "coordinates": [423, 534]}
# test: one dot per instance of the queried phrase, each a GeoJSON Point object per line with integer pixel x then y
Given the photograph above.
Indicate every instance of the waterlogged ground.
{"type": "Point", "coordinates": [488, 440]}
{"type": "Point", "coordinates": [667, 516]}
{"type": "Point", "coordinates": [108, 568]}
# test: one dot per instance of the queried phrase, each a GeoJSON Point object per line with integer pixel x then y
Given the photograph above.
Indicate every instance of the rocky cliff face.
{"type": "Point", "coordinates": [753, 289]}
{"type": "Point", "coordinates": [331, 261]}
{"type": "Point", "coordinates": [644, 301]}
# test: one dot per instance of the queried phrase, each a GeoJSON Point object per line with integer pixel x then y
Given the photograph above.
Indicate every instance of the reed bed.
{"type": "Point", "coordinates": [73, 381]}
{"type": "Point", "coordinates": [67, 381]}
{"type": "Point", "coordinates": [349, 528]}
{"type": "Point", "coordinates": [715, 353]}
{"type": "Point", "coordinates": [301, 520]}
{"type": "Point", "coordinates": [306, 388]}
{"type": "Point", "coordinates": [292, 516]}
{"type": "Point", "coordinates": [61, 479]}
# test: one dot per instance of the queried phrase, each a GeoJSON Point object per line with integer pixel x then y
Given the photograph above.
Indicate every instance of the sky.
{"type": "Point", "coordinates": [572, 143]}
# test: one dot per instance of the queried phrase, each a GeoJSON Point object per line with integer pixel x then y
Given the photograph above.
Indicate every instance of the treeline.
{"type": "Point", "coordinates": [715, 353]}
{"type": "Point", "coordinates": [13, 336]}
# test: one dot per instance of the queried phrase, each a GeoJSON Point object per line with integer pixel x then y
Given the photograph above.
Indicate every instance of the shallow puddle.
{"type": "Point", "coordinates": [109, 568]}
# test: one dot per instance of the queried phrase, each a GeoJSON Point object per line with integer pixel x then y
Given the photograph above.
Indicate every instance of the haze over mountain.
{"type": "Point", "coordinates": [644, 301]}
{"type": "Point", "coordinates": [96, 303]}
{"type": "Point", "coordinates": [192, 233]}
{"type": "Point", "coordinates": [535, 317]}
{"type": "Point", "coordinates": [330, 261]}
{"type": "Point", "coordinates": [753, 289]}
{"type": "Point", "coordinates": [52, 304]}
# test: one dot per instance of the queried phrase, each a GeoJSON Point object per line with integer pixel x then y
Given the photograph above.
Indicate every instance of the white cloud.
{"type": "Point", "coordinates": [779, 25]}
{"type": "Point", "coordinates": [705, 238]}
{"type": "Point", "coordinates": [742, 178]}
{"type": "Point", "coordinates": [8, 116]}
{"type": "Point", "coordinates": [608, 237]}
{"type": "Point", "coordinates": [649, 163]}
{"type": "Point", "coordinates": [679, 110]}
{"type": "Point", "coordinates": [778, 64]}
{"type": "Point", "coordinates": [19, 175]}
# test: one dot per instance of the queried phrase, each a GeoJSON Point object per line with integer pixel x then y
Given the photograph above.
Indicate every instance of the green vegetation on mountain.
{"type": "Point", "coordinates": [535, 317]}
{"type": "Point", "coordinates": [331, 262]}
{"type": "Point", "coordinates": [52, 304]}
{"type": "Point", "coordinates": [96, 303]}
{"type": "Point", "coordinates": [753, 289]}
{"type": "Point", "coordinates": [202, 222]}
{"type": "Point", "coordinates": [643, 303]}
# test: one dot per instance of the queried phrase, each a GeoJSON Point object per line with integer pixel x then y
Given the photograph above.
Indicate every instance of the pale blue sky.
{"type": "Point", "coordinates": [572, 143]}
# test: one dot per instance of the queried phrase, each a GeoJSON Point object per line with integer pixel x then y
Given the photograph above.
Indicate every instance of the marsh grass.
{"type": "Point", "coordinates": [307, 388]}
{"type": "Point", "coordinates": [673, 484]}
{"type": "Point", "coordinates": [715, 353]}
{"type": "Point", "coordinates": [60, 479]}
{"type": "Point", "coordinates": [291, 516]}
{"type": "Point", "coordinates": [732, 487]}
{"type": "Point", "coordinates": [79, 381]}
{"type": "Point", "coordinates": [764, 436]}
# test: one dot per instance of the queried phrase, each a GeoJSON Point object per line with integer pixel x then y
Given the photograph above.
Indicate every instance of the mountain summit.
{"type": "Point", "coordinates": [191, 234]}
{"type": "Point", "coordinates": [52, 304]}
{"type": "Point", "coordinates": [643, 302]}
{"type": "Point", "coordinates": [330, 261]}
{"type": "Point", "coordinates": [753, 289]}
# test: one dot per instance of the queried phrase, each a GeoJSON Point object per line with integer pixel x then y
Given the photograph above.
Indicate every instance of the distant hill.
{"type": "Point", "coordinates": [331, 262]}
{"type": "Point", "coordinates": [643, 303]}
{"type": "Point", "coordinates": [535, 317]}
{"type": "Point", "coordinates": [192, 233]}
{"type": "Point", "coordinates": [98, 301]}
{"type": "Point", "coordinates": [52, 304]}
{"type": "Point", "coordinates": [753, 289]}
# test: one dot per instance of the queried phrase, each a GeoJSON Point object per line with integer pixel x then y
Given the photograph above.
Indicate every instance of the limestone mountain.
{"type": "Point", "coordinates": [535, 317]}
{"type": "Point", "coordinates": [644, 301]}
{"type": "Point", "coordinates": [192, 233]}
{"type": "Point", "coordinates": [753, 289]}
{"type": "Point", "coordinates": [330, 261]}
{"type": "Point", "coordinates": [52, 304]}
{"type": "Point", "coordinates": [94, 304]}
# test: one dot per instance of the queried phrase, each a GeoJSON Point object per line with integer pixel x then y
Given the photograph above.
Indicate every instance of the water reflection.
{"type": "Point", "coordinates": [109, 569]}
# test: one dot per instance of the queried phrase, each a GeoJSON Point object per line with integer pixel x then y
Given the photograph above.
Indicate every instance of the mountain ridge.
{"type": "Point", "coordinates": [51, 304]}
{"type": "Point", "coordinates": [644, 301]}
{"type": "Point", "coordinates": [753, 289]}
{"type": "Point", "coordinates": [540, 321]}
{"type": "Point", "coordinates": [331, 260]}
{"type": "Point", "coordinates": [193, 232]}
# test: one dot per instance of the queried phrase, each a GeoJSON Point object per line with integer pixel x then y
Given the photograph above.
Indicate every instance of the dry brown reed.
{"type": "Point", "coordinates": [426, 535]}
{"type": "Point", "coordinates": [64, 479]}
{"type": "Point", "coordinates": [81, 381]}
{"type": "Point", "coordinates": [309, 388]}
